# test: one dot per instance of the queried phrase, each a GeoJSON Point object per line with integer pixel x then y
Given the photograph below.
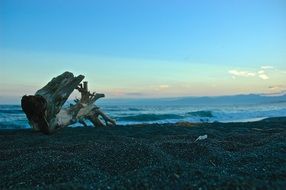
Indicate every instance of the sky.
{"type": "Point", "coordinates": [144, 49]}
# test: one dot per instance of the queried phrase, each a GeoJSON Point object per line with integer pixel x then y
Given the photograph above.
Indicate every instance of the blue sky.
{"type": "Point", "coordinates": [138, 49]}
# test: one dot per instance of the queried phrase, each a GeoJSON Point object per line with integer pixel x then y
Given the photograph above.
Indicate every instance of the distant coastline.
{"type": "Point", "coordinates": [227, 99]}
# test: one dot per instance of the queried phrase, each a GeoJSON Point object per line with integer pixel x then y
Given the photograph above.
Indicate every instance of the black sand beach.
{"type": "Point", "coordinates": [234, 156]}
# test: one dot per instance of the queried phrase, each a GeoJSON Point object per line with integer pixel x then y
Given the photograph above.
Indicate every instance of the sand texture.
{"type": "Point", "coordinates": [234, 156]}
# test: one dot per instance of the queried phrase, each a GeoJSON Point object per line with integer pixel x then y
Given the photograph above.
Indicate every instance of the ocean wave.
{"type": "Point", "coordinates": [112, 109]}
{"type": "Point", "coordinates": [120, 109]}
{"type": "Point", "coordinates": [11, 111]}
{"type": "Point", "coordinates": [150, 117]}
{"type": "Point", "coordinates": [11, 116]}
{"type": "Point", "coordinates": [12, 126]}
{"type": "Point", "coordinates": [201, 114]}
{"type": "Point", "coordinates": [135, 109]}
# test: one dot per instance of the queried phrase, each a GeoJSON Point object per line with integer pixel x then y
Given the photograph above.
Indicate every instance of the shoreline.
{"type": "Point", "coordinates": [160, 123]}
{"type": "Point", "coordinates": [248, 155]}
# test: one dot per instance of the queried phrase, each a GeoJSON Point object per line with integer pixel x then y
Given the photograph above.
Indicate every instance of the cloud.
{"type": "Point", "coordinates": [260, 74]}
{"type": "Point", "coordinates": [241, 73]}
{"type": "Point", "coordinates": [164, 86]}
{"type": "Point", "coordinates": [263, 76]}
{"type": "Point", "coordinates": [277, 87]}
{"type": "Point", "coordinates": [267, 67]}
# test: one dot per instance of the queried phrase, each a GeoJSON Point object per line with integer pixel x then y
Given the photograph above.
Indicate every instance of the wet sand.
{"type": "Point", "coordinates": [234, 156]}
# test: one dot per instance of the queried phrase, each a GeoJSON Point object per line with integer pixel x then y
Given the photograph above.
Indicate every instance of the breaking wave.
{"type": "Point", "coordinates": [150, 117]}
{"type": "Point", "coordinates": [11, 116]}
{"type": "Point", "coordinates": [200, 114]}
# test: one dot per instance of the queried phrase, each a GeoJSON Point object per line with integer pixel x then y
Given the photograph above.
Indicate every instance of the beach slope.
{"type": "Point", "coordinates": [234, 156]}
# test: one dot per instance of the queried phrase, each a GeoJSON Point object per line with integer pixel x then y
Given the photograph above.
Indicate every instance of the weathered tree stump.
{"type": "Point", "coordinates": [45, 111]}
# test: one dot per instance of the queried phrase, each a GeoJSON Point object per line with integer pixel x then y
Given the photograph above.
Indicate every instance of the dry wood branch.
{"type": "Point", "coordinates": [45, 111]}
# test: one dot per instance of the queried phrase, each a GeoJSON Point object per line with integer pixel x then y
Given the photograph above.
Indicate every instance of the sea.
{"type": "Point", "coordinates": [12, 116]}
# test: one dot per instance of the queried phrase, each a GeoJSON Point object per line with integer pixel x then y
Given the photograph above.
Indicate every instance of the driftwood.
{"type": "Point", "coordinates": [45, 111]}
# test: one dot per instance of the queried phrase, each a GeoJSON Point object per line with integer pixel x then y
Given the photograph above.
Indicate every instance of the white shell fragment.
{"type": "Point", "coordinates": [203, 137]}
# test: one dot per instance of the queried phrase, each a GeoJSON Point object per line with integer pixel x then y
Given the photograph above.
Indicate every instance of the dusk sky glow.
{"type": "Point", "coordinates": [143, 49]}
